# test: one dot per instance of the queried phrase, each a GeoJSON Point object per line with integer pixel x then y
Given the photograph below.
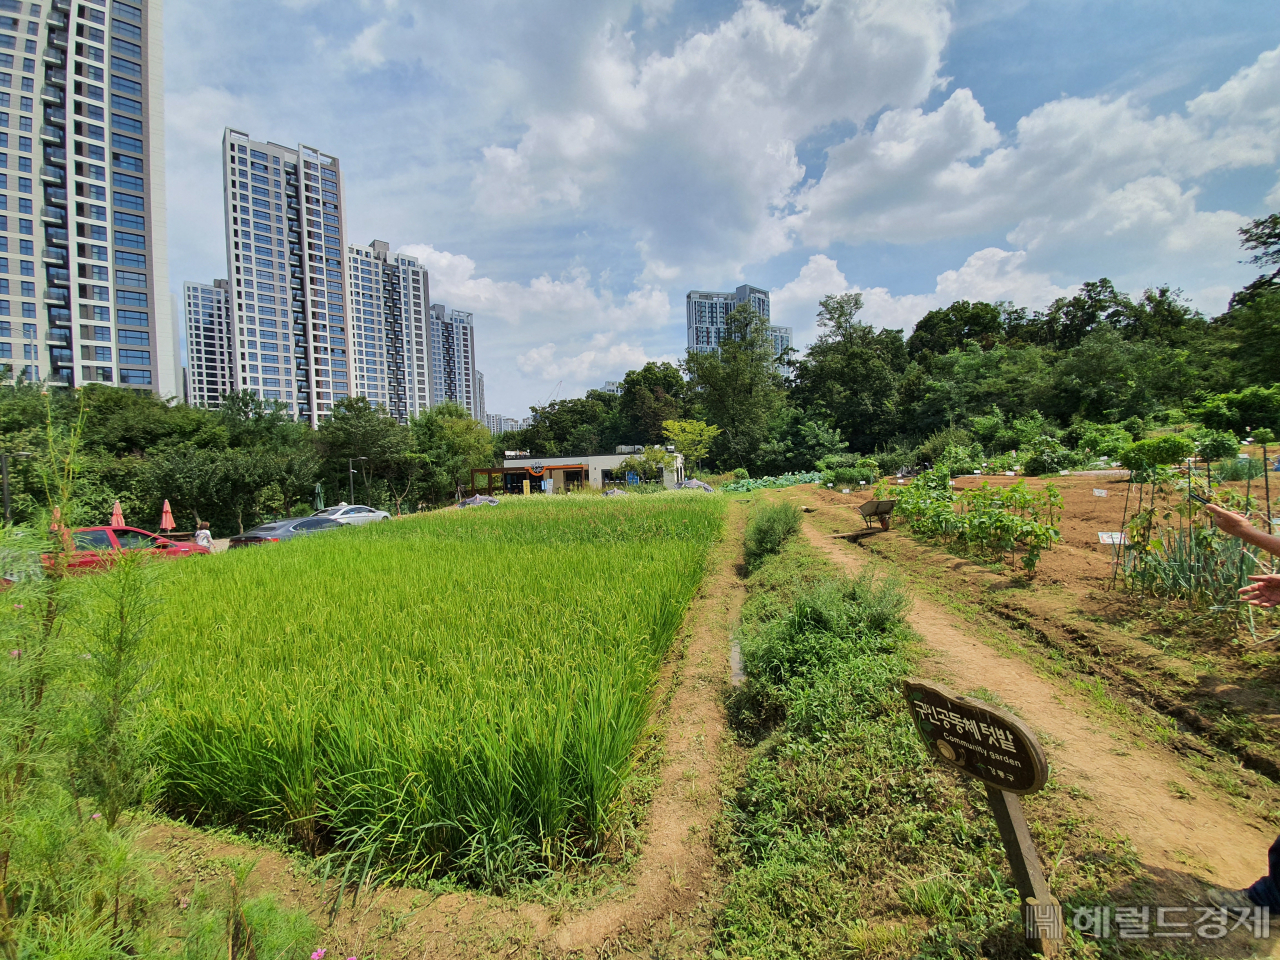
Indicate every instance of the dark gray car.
{"type": "Point", "coordinates": [282, 530]}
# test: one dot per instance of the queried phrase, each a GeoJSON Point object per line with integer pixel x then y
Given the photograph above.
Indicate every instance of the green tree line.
{"type": "Point", "coordinates": [1085, 374]}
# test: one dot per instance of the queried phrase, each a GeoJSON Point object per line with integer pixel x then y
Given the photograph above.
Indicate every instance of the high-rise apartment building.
{"type": "Point", "coordinates": [498, 424]}
{"type": "Point", "coordinates": [284, 224]}
{"type": "Point", "coordinates": [453, 361]}
{"type": "Point", "coordinates": [212, 370]}
{"type": "Point", "coordinates": [706, 311]}
{"type": "Point", "coordinates": [87, 271]}
{"type": "Point", "coordinates": [390, 297]}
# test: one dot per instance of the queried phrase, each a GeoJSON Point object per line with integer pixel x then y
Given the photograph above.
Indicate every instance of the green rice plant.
{"type": "Point", "coordinates": [768, 530]}
{"type": "Point", "coordinates": [459, 691]}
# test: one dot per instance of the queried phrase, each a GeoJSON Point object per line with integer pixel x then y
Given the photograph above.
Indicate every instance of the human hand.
{"type": "Point", "coordinates": [1263, 592]}
{"type": "Point", "coordinates": [1228, 522]}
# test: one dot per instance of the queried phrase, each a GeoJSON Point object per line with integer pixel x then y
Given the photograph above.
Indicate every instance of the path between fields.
{"type": "Point", "coordinates": [1129, 785]}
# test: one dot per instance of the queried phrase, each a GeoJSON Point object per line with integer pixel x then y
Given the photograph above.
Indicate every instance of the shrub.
{"type": "Point", "coordinates": [961, 458]}
{"type": "Point", "coordinates": [848, 476]}
{"type": "Point", "coordinates": [740, 473]}
{"type": "Point", "coordinates": [1156, 452]}
{"type": "Point", "coordinates": [771, 527]}
{"type": "Point", "coordinates": [1216, 444]}
{"type": "Point", "coordinates": [1046, 455]}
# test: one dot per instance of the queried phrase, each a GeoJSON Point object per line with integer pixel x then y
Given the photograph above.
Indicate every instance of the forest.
{"type": "Point", "coordinates": [1065, 385]}
{"type": "Point", "coordinates": [1080, 378]}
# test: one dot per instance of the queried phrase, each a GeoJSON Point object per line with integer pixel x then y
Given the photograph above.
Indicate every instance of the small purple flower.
{"type": "Point", "coordinates": [318, 955]}
{"type": "Point", "coordinates": [96, 816]}
{"type": "Point", "coordinates": [15, 653]}
{"type": "Point", "coordinates": [18, 606]}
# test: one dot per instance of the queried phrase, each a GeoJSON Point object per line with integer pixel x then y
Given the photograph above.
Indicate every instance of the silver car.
{"type": "Point", "coordinates": [282, 530]}
{"type": "Point", "coordinates": [353, 514]}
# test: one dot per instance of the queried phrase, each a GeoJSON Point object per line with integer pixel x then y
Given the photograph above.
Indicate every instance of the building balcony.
{"type": "Point", "coordinates": [55, 57]}
{"type": "Point", "coordinates": [61, 356]}
{"type": "Point", "coordinates": [53, 95]}
{"type": "Point", "coordinates": [55, 255]}
{"type": "Point", "coordinates": [53, 135]}
{"type": "Point", "coordinates": [54, 215]}
{"type": "Point", "coordinates": [62, 6]}
{"type": "Point", "coordinates": [55, 115]}
{"type": "Point", "coordinates": [58, 276]}
{"type": "Point", "coordinates": [58, 38]}
{"type": "Point", "coordinates": [55, 195]}
{"type": "Point", "coordinates": [53, 175]}
{"type": "Point", "coordinates": [57, 297]}
{"type": "Point", "coordinates": [53, 75]}
{"type": "Point", "coordinates": [58, 335]}
{"type": "Point", "coordinates": [56, 18]}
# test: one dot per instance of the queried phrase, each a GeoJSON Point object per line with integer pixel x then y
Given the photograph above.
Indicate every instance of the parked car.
{"type": "Point", "coordinates": [282, 530]}
{"type": "Point", "coordinates": [353, 514]}
{"type": "Point", "coordinates": [96, 545]}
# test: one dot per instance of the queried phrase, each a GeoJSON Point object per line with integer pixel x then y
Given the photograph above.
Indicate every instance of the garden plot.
{"type": "Point", "coordinates": [460, 691]}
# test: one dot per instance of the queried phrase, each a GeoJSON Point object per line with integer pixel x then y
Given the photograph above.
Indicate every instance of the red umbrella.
{"type": "Point", "coordinates": [166, 518]}
{"type": "Point", "coordinates": [117, 515]}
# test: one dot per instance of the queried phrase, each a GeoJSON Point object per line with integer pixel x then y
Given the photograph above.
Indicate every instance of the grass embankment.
{"type": "Point", "coordinates": [456, 692]}
{"type": "Point", "coordinates": [843, 836]}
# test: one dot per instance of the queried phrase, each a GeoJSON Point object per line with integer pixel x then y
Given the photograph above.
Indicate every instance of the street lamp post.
{"type": "Point", "coordinates": [351, 480]}
{"type": "Point", "coordinates": [4, 472]}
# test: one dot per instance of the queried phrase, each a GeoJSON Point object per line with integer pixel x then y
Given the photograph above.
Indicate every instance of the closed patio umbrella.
{"type": "Point", "coordinates": [117, 515]}
{"type": "Point", "coordinates": [166, 518]}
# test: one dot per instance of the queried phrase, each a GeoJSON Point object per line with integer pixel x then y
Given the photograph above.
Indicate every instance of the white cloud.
{"type": "Point", "coordinates": [696, 151]}
{"type": "Point", "coordinates": [596, 335]}
{"type": "Point", "coordinates": [991, 275]}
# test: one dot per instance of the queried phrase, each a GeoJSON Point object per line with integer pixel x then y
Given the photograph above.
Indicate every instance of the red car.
{"type": "Point", "coordinates": [95, 545]}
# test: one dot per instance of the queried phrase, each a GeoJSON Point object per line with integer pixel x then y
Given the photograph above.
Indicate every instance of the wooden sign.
{"type": "Point", "coordinates": [994, 746]}
{"type": "Point", "coordinates": [977, 739]}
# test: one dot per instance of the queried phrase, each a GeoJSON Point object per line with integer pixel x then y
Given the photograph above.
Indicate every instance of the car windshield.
{"type": "Point", "coordinates": [332, 511]}
{"type": "Point", "coordinates": [265, 528]}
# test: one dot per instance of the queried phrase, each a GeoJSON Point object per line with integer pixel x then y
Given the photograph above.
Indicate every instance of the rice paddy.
{"type": "Point", "coordinates": [462, 691]}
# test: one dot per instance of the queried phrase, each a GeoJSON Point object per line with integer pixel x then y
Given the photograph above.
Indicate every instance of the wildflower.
{"type": "Point", "coordinates": [318, 955]}
{"type": "Point", "coordinates": [18, 606]}
{"type": "Point", "coordinates": [184, 902]}
{"type": "Point", "coordinates": [15, 653]}
{"type": "Point", "coordinates": [96, 816]}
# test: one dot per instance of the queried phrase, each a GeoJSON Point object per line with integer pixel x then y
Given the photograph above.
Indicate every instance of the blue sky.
{"type": "Point", "coordinates": [569, 170]}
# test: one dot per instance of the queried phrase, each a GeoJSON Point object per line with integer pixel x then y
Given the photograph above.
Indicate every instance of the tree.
{"type": "Point", "coordinates": [651, 396]}
{"type": "Point", "coordinates": [942, 330]}
{"type": "Point", "coordinates": [360, 432]}
{"type": "Point", "coordinates": [649, 465]}
{"type": "Point", "coordinates": [1262, 235]}
{"type": "Point", "coordinates": [849, 379]}
{"type": "Point", "coordinates": [691, 438]}
{"type": "Point", "coordinates": [738, 387]}
{"type": "Point", "coordinates": [451, 444]}
{"type": "Point", "coordinates": [1256, 327]}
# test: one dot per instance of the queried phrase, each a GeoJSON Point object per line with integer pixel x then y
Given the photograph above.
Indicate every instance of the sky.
{"type": "Point", "coordinates": [568, 170]}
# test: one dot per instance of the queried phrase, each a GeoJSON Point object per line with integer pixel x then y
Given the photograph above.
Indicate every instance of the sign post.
{"type": "Point", "coordinates": [994, 746]}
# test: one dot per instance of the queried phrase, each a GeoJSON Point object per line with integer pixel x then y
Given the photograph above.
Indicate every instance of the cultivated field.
{"type": "Point", "coordinates": [462, 690]}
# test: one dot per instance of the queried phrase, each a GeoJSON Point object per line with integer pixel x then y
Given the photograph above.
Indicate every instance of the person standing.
{"type": "Point", "coordinates": [203, 537]}
{"type": "Point", "coordinates": [1264, 592]}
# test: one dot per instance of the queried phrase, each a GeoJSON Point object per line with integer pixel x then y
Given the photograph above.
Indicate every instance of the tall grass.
{"type": "Point", "coordinates": [772, 526]}
{"type": "Point", "coordinates": [458, 691]}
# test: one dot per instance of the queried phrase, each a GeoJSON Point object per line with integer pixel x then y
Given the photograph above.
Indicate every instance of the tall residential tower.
{"type": "Point", "coordinates": [705, 313]}
{"type": "Point", "coordinates": [89, 264]}
{"type": "Point", "coordinates": [211, 343]}
{"type": "Point", "coordinates": [284, 223]}
{"type": "Point", "coordinates": [390, 294]}
{"type": "Point", "coordinates": [453, 361]}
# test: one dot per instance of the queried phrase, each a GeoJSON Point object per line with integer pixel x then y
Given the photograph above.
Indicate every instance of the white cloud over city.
{"type": "Point", "coordinates": [567, 171]}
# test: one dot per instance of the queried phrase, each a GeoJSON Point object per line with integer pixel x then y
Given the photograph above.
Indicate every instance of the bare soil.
{"type": "Point", "coordinates": [664, 895]}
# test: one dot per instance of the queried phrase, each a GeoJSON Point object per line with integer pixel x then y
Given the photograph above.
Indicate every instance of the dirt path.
{"type": "Point", "coordinates": [1174, 834]}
